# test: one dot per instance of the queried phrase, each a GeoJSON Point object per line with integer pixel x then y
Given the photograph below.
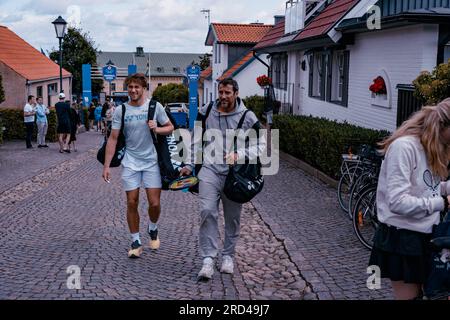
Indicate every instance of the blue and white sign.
{"type": "Point", "coordinates": [193, 75]}
{"type": "Point", "coordinates": [109, 72]}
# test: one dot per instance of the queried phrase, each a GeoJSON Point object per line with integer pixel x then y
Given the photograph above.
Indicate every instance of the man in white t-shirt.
{"type": "Point", "coordinates": [28, 118]}
{"type": "Point", "coordinates": [140, 163]}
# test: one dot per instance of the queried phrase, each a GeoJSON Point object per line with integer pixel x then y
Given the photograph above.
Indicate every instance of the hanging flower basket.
{"type": "Point", "coordinates": [264, 81]}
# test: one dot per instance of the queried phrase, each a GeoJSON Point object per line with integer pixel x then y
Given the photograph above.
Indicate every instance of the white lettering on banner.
{"type": "Point", "coordinates": [74, 280]}
{"type": "Point", "coordinates": [374, 280]}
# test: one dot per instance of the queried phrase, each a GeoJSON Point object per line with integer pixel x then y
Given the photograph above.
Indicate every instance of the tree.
{"type": "Point", "coordinates": [205, 61]}
{"type": "Point", "coordinates": [2, 93]}
{"type": "Point", "coordinates": [171, 93]}
{"type": "Point", "coordinates": [78, 48]}
{"type": "Point", "coordinates": [433, 87]}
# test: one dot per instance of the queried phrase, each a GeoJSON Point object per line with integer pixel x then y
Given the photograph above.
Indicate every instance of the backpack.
{"type": "Point", "coordinates": [120, 146]}
{"type": "Point", "coordinates": [244, 181]}
{"type": "Point", "coordinates": [166, 147]}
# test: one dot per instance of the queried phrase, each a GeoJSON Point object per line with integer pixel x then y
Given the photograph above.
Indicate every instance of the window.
{"type": "Point", "coordinates": [113, 86]}
{"type": "Point", "coordinates": [217, 56]}
{"type": "Point", "coordinates": [176, 70]}
{"type": "Point", "coordinates": [328, 76]}
{"type": "Point", "coordinates": [39, 91]}
{"type": "Point", "coordinates": [279, 71]}
{"type": "Point", "coordinates": [125, 88]}
{"type": "Point", "coordinates": [52, 89]}
{"type": "Point", "coordinates": [206, 95]}
{"type": "Point", "coordinates": [159, 84]}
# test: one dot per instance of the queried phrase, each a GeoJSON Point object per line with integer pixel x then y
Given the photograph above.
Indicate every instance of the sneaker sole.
{"type": "Point", "coordinates": [134, 254]}
{"type": "Point", "coordinates": [154, 244]}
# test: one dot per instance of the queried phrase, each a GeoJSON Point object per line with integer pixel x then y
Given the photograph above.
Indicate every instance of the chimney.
{"type": "Point", "coordinates": [295, 15]}
{"type": "Point", "coordinates": [139, 52]}
{"type": "Point", "coordinates": [278, 19]}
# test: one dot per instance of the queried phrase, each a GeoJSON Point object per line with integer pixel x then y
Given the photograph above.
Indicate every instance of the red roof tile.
{"type": "Point", "coordinates": [236, 66]}
{"type": "Point", "coordinates": [326, 19]}
{"type": "Point", "coordinates": [240, 33]}
{"type": "Point", "coordinates": [24, 59]}
{"type": "Point", "coordinates": [206, 73]}
{"type": "Point", "coordinates": [271, 37]}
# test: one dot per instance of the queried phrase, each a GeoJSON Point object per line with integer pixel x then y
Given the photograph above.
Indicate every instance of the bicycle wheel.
{"type": "Point", "coordinates": [364, 219]}
{"type": "Point", "coordinates": [364, 179]}
{"type": "Point", "coordinates": [345, 184]}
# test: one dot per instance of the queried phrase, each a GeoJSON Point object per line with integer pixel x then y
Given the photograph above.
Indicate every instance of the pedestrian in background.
{"type": "Point", "coordinates": [63, 129]}
{"type": "Point", "coordinates": [75, 123]}
{"type": "Point", "coordinates": [41, 120]}
{"type": "Point", "coordinates": [28, 117]}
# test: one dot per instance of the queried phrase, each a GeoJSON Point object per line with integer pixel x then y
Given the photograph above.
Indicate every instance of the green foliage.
{"type": "Point", "coordinates": [321, 142]}
{"type": "Point", "coordinates": [256, 104]}
{"type": "Point", "coordinates": [431, 88]}
{"type": "Point", "coordinates": [78, 48]}
{"type": "Point", "coordinates": [2, 92]}
{"type": "Point", "coordinates": [15, 129]}
{"type": "Point", "coordinates": [86, 118]}
{"type": "Point", "coordinates": [205, 61]}
{"type": "Point", "coordinates": [171, 93]}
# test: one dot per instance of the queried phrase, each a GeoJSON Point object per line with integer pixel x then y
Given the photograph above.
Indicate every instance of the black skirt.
{"type": "Point", "coordinates": [63, 127]}
{"type": "Point", "coordinates": [401, 255]}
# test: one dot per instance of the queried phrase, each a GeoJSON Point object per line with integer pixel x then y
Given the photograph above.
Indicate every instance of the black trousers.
{"type": "Point", "coordinates": [29, 126]}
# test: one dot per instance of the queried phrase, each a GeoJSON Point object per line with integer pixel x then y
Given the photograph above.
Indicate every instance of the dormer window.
{"type": "Point", "coordinates": [176, 70]}
{"type": "Point", "coordinates": [160, 69]}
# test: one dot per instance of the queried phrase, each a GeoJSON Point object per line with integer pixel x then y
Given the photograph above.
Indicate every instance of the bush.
{"type": "Point", "coordinates": [15, 129]}
{"type": "Point", "coordinates": [170, 93]}
{"type": "Point", "coordinates": [321, 142]}
{"type": "Point", "coordinates": [256, 104]}
{"type": "Point", "coordinates": [432, 88]}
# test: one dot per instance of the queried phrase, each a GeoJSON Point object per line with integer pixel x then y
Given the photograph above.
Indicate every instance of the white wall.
{"type": "Point", "coordinates": [219, 68]}
{"type": "Point", "coordinates": [246, 79]}
{"type": "Point", "coordinates": [402, 52]}
{"type": "Point", "coordinates": [207, 88]}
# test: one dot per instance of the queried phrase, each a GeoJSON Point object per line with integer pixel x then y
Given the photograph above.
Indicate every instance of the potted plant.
{"type": "Point", "coordinates": [264, 81]}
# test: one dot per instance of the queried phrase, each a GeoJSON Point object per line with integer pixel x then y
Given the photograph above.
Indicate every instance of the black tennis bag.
{"type": "Point", "coordinates": [167, 147]}
{"type": "Point", "coordinates": [437, 285]}
{"type": "Point", "coordinates": [120, 146]}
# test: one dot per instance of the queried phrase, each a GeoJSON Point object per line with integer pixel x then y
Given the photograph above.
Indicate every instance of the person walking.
{"type": "Point", "coordinates": [140, 163]}
{"type": "Point", "coordinates": [63, 129]}
{"type": "Point", "coordinates": [41, 120]}
{"type": "Point", "coordinates": [75, 123]}
{"type": "Point", "coordinates": [29, 112]}
{"type": "Point", "coordinates": [224, 115]}
{"type": "Point", "coordinates": [410, 196]}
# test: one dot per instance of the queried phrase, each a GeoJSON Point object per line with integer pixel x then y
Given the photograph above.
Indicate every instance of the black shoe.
{"type": "Point", "coordinates": [45, 146]}
{"type": "Point", "coordinates": [30, 147]}
{"type": "Point", "coordinates": [154, 239]}
{"type": "Point", "coordinates": [39, 146]}
{"type": "Point", "coordinates": [68, 151]}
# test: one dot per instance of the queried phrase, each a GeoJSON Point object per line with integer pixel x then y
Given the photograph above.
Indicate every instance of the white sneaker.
{"type": "Point", "coordinates": [207, 270]}
{"type": "Point", "coordinates": [227, 265]}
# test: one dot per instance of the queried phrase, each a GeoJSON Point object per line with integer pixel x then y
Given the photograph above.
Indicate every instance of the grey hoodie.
{"type": "Point", "coordinates": [223, 121]}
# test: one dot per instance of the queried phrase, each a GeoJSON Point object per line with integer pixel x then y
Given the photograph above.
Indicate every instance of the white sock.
{"type": "Point", "coordinates": [152, 226]}
{"type": "Point", "coordinates": [135, 236]}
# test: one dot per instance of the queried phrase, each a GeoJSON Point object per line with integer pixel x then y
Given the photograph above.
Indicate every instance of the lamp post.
{"type": "Point", "coordinates": [60, 29]}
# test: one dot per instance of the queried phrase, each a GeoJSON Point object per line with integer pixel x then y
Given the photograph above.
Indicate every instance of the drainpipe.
{"type": "Point", "coordinates": [257, 58]}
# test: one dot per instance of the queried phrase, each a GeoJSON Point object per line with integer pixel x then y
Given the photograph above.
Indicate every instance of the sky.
{"type": "Point", "coordinates": [175, 26]}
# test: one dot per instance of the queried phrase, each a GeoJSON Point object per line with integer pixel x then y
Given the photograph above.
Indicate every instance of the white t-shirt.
{"type": "Point", "coordinates": [28, 108]}
{"type": "Point", "coordinates": [140, 152]}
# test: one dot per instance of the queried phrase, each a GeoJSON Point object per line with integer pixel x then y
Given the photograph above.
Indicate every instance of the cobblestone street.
{"type": "Point", "coordinates": [56, 212]}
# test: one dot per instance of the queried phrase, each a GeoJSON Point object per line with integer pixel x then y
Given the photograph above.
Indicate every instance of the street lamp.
{"type": "Point", "coordinates": [60, 29]}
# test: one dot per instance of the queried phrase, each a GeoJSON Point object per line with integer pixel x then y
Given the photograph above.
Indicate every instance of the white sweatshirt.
{"type": "Point", "coordinates": [408, 195]}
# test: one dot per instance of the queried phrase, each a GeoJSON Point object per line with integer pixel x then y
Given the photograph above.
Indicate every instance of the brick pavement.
{"type": "Point", "coordinates": [65, 215]}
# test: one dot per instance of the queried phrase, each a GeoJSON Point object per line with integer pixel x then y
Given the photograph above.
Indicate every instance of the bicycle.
{"type": "Point", "coordinates": [364, 219]}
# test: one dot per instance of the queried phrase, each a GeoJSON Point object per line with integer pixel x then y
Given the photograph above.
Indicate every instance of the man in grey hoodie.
{"type": "Point", "coordinates": [221, 116]}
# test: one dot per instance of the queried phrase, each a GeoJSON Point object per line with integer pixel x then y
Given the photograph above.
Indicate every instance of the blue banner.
{"type": "Point", "coordinates": [87, 86]}
{"type": "Point", "coordinates": [193, 75]}
{"type": "Point", "coordinates": [109, 72]}
{"type": "Point", "coordinates": [132, 69]}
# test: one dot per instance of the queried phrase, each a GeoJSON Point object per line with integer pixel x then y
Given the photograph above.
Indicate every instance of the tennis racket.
{"type": "Point", "coordinates": [183, 183]}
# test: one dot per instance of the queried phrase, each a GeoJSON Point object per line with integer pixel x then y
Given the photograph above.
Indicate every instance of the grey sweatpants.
{"type": "Point", "coordinates": [210, 192]}
{"type": "Point", "coordinates": [42, 132]}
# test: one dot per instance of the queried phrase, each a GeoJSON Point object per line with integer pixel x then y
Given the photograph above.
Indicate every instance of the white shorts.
{"type": "Point", "coordinates": [133, 180]}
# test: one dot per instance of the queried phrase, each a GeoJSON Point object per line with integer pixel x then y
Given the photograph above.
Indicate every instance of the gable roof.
{"type": "Point", "coordinates": [238, 66]}
{"type": "Point", "coordinates": [24, 59]}
{"type": "Point", "coordinates": [207, 73]}
{"type": "Point", "coordinates": [162, 64]}
{"type": "Point", "coordinates": [236, 33]}
{"type": "Point", "coordinates": [321, 24]}
{"type": "Point", "coordinates": [271, 37]}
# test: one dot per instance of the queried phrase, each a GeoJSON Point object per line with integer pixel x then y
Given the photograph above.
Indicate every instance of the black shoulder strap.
{"type": "Point", "coordinates": [241, 122]}
{"type": "Point", "coordinates": [208, 111]}
{"type": "Point", "coordinates": [151, 109]}
{"type": "Point", "coordinates": [122, 124]}
{"type": "Point", "coordinates": [151, 115]}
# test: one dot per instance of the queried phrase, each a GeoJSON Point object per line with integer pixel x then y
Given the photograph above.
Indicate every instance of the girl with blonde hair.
{"type": "Point", "coordinates": [410, 196]}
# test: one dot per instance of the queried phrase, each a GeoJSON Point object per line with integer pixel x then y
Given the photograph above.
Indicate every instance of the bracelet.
{"type": "Point", "coordinates": [445, 204]}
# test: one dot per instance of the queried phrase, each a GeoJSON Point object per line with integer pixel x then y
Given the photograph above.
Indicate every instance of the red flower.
{"type": "Point", "coordinates": [264, 80]}
{"type": "Point", "coordinates": [378, 86]}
